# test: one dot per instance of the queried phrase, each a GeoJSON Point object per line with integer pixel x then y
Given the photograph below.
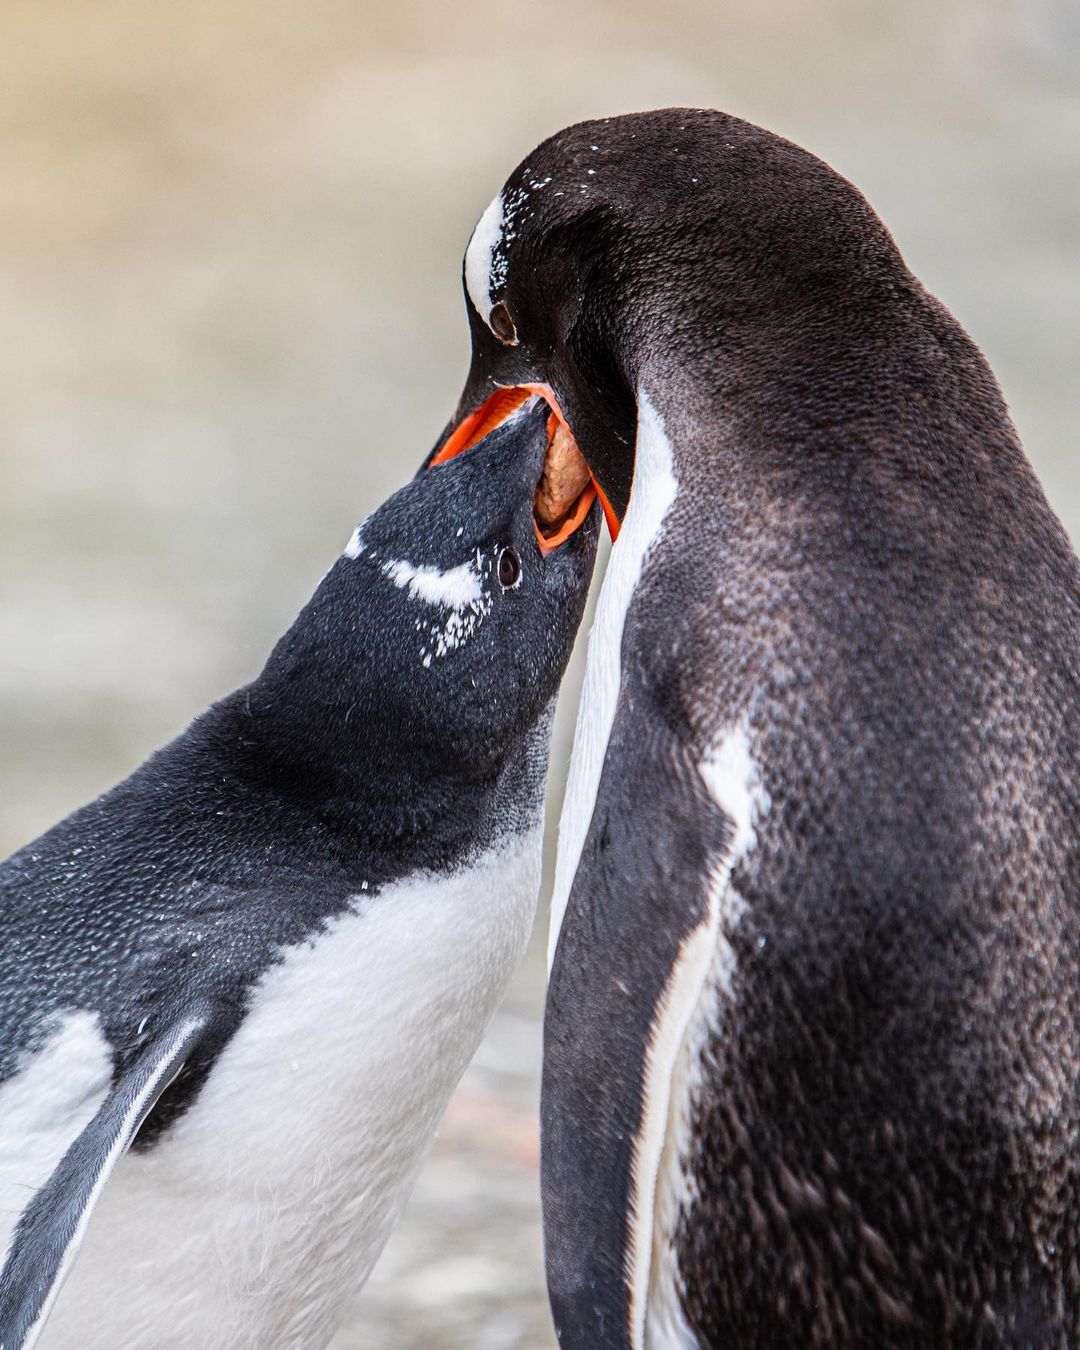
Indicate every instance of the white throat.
{"type": "Point", "coordinates": [651, 496]}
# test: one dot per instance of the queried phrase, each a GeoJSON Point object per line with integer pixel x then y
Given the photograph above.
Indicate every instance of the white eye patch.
{"type": "Point", "coordinates": [481, 262]}
{"type": "Point", "coordinates": [457, 588]}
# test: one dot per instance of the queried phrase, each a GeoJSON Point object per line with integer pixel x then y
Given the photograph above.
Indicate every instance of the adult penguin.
{"type": "Point", "coordinates": [811, 1040]}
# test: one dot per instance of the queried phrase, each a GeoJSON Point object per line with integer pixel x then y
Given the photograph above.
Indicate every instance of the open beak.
{"type": "Point", "coordinates": [567, 487]}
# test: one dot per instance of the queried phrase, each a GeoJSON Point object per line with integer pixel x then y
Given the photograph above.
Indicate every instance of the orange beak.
{"type": "Point", "coordinates": [492, 413]}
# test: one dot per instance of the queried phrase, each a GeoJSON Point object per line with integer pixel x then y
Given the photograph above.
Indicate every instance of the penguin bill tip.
{"type": "Point", "coordinates": [567, 488]}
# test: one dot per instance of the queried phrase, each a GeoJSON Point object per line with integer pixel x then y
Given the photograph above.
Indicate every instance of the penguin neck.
{"type": "Point", "coordinates": [876, 373]}
{"type": "Point", "coordinates": [365, 784]}
{"type": "Point", "coordinates": [852, 455]}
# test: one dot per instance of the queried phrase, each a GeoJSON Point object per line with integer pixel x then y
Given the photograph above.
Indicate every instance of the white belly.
{"type": "Point", "coordinates": [267, 1204]}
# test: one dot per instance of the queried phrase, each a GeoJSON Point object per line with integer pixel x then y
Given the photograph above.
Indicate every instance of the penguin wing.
{"type": "Point", "coordinates": [52, 1226]}
{"type": "Point", "coordinates": [635, 944]}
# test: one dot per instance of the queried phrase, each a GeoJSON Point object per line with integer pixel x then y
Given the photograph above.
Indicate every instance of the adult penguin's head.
{"type": "Point", "coordinates": [676, 248]}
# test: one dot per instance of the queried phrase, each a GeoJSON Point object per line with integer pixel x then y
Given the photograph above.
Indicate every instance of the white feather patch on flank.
{"type": "Point", "coordinates": [479, 257]}
{"type": "Point", "coordinates": [44, 1106]}
{"type": "Point", "coordinates": [656, 1318]}
{"type": "Point", "coordinates": [457, 588]}
{"type": "Point", "coordinates": [651, 496]}
{"type": "Point", "coordinates": [730, 774]}
{"type": "Point", "coordinates": [700, 977]}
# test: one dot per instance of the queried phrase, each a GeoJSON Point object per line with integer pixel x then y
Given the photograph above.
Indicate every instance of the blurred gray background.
{"type": "Point", "coordinates": [231, 323]}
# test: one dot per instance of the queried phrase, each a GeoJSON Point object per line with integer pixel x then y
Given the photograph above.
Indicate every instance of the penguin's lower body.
{"type": "Point", "coordinates": [258, 1214]}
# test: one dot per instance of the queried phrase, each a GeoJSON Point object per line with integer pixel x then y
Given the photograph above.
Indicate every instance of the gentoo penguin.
{"type": "Point", "coordinates": [812, 1039]}
{"type": "Point", "coordinates": [268, 955]}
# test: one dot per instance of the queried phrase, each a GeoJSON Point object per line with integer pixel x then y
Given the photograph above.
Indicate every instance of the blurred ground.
{"type": "Point", "coordinates": [230, 323]}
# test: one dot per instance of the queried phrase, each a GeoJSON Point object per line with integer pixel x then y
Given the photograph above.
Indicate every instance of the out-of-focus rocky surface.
{"type": "Point", "coordinates": [230, 324]}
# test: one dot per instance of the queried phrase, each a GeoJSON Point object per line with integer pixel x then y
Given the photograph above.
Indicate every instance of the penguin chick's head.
{"type": "Point", "coordinates": [441, 634]}
{"type": "Point", "coordinates": [681, 248]}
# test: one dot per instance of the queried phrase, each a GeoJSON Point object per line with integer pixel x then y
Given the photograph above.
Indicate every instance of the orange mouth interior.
{"type": "Point", "coordinates": [492, 413]}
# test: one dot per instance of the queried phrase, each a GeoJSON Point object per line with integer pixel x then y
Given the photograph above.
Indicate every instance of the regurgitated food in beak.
{"type": "Point", "coordinates": [567, 488]}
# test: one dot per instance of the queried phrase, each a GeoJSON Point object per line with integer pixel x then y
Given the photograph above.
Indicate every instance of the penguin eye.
{"type": "Point", "coordinates": [509, 569]}
{"type": "Point", "coordinates": [502, 325]}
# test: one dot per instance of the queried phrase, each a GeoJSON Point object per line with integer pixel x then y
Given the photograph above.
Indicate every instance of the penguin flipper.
{"type": "Point", "coordinates": [634, 947]}
{"type": "Point", "coordinates": [52, 1227]}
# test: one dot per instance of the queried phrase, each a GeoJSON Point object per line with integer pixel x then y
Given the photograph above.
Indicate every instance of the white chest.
{"type": "Point", "coordinates": [266, 1206]}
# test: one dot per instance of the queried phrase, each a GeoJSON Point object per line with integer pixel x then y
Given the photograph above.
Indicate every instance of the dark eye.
{"type": "Point", "coordinates": [502, 325]}
{"type": "Point", "coordinates": [509, 568]}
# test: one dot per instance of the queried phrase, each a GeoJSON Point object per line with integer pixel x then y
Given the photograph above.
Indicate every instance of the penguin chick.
{"type": "Point", "coordinates": [264, 960]}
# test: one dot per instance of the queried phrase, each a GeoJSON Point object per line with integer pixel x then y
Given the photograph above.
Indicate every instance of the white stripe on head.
{"type": "Point", "coordinates": [355, 546]}
{"type": "Point", "coordinates": [651, 496]}
{"type": "Point", "coordinates": [480, 256]}
{"type": "Point", "coordinates": [458, 588]}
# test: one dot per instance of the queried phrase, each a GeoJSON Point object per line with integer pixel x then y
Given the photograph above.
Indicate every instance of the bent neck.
{"type": "Point", "coordinates": [370, 786]}
{"type": "Point", "coordinates": [884, 379]}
